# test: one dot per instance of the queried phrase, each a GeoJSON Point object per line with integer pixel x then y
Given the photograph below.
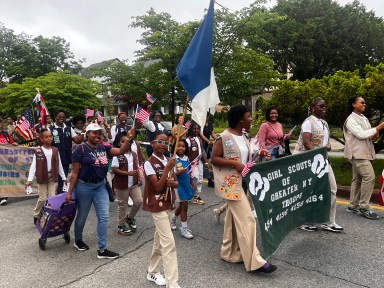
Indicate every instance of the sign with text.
{"type": "Point", "coordinates": [14, 167]}
{"type": "Point", "coordinates": [289, 192]}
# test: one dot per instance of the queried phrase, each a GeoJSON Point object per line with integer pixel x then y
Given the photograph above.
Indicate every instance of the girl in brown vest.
{"type": "Point", "coordinates": [161, 203]}
{"type": "Point", "coordinates": [46, 164]}
{"type": "Point", "coordinates": [127, 182]}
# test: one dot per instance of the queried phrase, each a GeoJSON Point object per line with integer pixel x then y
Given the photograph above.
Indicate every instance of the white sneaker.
{"type": "Point", "coordinates": [173, 222]}
{"type": "Point", "coordinates": [157, 278]}
{"type": "Point", "coordinates": [186, 233]}
{"type": "Point", "coordinates": [130, 202]}
{"type": "Point", "coordinates": [3, 202]}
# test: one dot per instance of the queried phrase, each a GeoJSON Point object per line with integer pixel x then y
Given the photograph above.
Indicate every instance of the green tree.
{"type": "Point", "coordinates": [61, 90]}
{"type": "Point", "coordinates": [320, 37]}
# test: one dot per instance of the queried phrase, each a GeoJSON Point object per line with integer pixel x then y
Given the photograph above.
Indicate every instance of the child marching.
{"type": "Point", "coordinates": [46, 165]}
{"type": "Point", "coordinates": [185, 191]}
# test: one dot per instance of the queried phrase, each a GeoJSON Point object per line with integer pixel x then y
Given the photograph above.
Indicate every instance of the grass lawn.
{"type": "Point", "coordinates": [343, 170]}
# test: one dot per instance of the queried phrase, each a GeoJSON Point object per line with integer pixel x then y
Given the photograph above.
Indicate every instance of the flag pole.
{"type": "Point", "coordinates": [177, 141]}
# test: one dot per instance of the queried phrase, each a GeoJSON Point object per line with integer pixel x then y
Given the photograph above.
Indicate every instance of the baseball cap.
{"type": "Point", "coordinates": [93, 127]}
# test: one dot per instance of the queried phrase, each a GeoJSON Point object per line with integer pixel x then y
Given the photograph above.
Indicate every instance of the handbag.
{"type": "Point", "coordinates": [111, 193]}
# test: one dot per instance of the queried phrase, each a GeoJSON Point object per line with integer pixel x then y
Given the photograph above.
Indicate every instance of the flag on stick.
{"type": "Point", "coordinates": [195, 70]}
{"type": "Point", "coordinates": [24, 125]}
{"type": "Point", "coordinates": [141, 114]}
{"type": "Point", "coordinates": [187, 124]}
{"type": "Point", "coordinates": [99, 117]}
{"type": "Point", "coordinates": [89, 113]}
{"type": "Point", "coordinates": [150, 98]}
{"type": "Point", "coordinates": [249, 165]}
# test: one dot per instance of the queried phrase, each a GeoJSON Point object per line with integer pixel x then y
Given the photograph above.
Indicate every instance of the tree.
{"type": "Point", "coordinates": [22, 56]}
{"type": "Point", "coordinates": [320, 37]}
{"type": "Point", "coordinates": [61, 90]}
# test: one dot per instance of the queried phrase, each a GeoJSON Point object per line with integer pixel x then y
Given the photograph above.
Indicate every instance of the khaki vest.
{"type": "Point", "coordinates": [194, 149]}
{"type": "Point", "coordinates": [153, 201]}
{"type": "Point", "coordinates": [42, 167]}
{"type": "Point", "coordinates": [317, 135]}
{"type": "Point", "coordinates": [227, 179]}
{"type": "Point", "coordinates": [358, 148]}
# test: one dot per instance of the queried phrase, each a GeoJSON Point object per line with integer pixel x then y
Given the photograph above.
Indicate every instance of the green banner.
{"type": "Point", "coordinates": [289, 192]}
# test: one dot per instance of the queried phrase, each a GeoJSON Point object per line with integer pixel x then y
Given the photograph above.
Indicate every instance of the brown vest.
{"type": "Point", "coordinates": [153, 201]}
{"type": "Point", "coordinates": [42, 167]}
{"type": "Point", "coordinates": [193, 153]}
{"type": "Point", "coordinates": [121, 181]}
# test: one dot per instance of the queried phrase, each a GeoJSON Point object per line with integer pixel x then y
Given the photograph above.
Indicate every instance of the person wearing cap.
{"type": "Point", "coordinates": [153, 127]}
{"type": "Point", "coordinates": [63, 135]}
{"type": "Point", "coordinates": [125, 124]}
{"type": "Point", "coordinates": [89, 170]}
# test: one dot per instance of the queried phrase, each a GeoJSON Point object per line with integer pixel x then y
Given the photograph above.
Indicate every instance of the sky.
{"type": "Point", "coordinates": [98, 30]}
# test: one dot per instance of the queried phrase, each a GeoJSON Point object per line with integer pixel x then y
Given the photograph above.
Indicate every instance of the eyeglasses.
{"type": "Point", "coordinates": [362, 102]}
{"type": "Point", "coordinates": [322, 106]}
{"type": "Point", "coordinates": [162, 142]}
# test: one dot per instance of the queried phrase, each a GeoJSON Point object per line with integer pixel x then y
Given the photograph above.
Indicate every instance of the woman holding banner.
{"type": "Point", "coordinates": [315, 134]}
{"type": "Point", "coordinates": [230, 154]}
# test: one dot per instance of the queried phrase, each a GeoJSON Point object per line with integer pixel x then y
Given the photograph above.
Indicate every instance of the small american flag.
{"type": "Point", "coordinates": [141, 167]}
{"type": "Point", "coordinates": [187, 124]}
{"type": "Point", "coordinates": [142, 114]}
{"type": "Point", "coordinates": [99, 118]}
{"type": "Point", "coordinates": [89, 113]}
{"type": "Point", "coordinates": [249, 165]}
{"type": "Point", "coordinates": [150, 98]}
{"type": "Point", "coordinates": [24, 124]}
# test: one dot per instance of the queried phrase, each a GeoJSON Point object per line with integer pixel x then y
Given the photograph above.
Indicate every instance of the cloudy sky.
{"type": "Point", "coordinates": [99, 30]}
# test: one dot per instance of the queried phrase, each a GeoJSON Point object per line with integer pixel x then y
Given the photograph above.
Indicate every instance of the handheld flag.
{"type": "Point", "coordinates": [89, 113]}
{"type": "Point", "coordinates": [42, 109]}
{"type": "Point", "coordinates": [99, 117]}
{"type": "Point", "coordinates": [150, 98]}
{"type": "Point", "coordinates": [24, 125]}
{"type": "Point", "coordinates": [141, 114]}
{"type": "Point", "coordinates": [249, 165]}
{"type": "Point", "coordinates": [195, 70]}
{"type": "Point", "coordinates": [187, 124]}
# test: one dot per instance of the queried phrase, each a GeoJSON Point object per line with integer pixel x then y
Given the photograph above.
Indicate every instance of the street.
{"type": "Point", "coordinates": [305, 259]}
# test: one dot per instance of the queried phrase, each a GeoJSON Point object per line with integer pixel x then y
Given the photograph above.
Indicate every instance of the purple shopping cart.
{"type": "Point", "coordinates": [56, 219]}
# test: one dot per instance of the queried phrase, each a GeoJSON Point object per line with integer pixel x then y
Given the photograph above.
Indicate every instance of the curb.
{"type": "Point", "coordinates": [344, 192]}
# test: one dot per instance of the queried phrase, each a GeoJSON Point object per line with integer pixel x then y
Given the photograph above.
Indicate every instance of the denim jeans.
{"type": "Point", "coordinates": [273, 151]}
{"type": "Point", "coordinates": [86, 194]}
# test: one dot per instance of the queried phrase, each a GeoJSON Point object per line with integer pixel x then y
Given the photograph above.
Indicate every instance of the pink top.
{"type": "Point", "coordinates": [270, 134]}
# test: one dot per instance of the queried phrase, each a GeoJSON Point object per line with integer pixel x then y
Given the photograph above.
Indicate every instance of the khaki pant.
{"type": "Point", "coordinates": [45, 190]}
{"type": "Point", "coordinates": [164, 249]}
{"type": "Point", "coordinates": [122, 196]}
{"type": "Point", "coordinates": [363, 182]}
{"type": "Point", "coordinates": [239, 240]}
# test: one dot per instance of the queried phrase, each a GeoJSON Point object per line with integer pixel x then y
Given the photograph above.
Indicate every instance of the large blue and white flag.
{"type": "Point", "coordinates": [195, 70]}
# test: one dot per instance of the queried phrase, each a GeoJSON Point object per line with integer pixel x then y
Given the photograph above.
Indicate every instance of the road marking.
{"type": "Point", "coordinates": [372, 206]}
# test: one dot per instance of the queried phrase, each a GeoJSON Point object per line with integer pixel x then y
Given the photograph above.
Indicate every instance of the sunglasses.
{"type": "Point", "coordinates": [322, 106]}
{"type": "Point", "coordinates": [362, 102]}
{"type": "Point", "coordinates": [162, 142]}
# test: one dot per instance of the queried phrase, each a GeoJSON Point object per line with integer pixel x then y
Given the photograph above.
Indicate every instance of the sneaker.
{"type": "Point", "coordinates": [353, 210]}
{"type": "Point", "coordinates": [217, 215]}
{"type": "Point", "coordinates": [124, 230]}
{"type": "Point", "coordinates": [80, 245]}
{"type": "Point", "coordinates": [130, 202]}
{"type": "Point", "coordinates": [332, 227]}
{"type": "Point", "coordinates": [267, 268]}
{"type": "Point", "coordinates": [173, 222]}
{"type": "Point", "coordinates": [106, 254]}
{"type": "Point", "coordinates": [368, 213]}
{"type": "Point", "coordinates": [3, 202]}
{"type": "Point", "coordinates": [309, 228]}
{"type": "Point", "coordinates": [186, 233]}
{"type": "Point", "coordinates": [211, 184]}
{"type": "Point", "coordinates": [198, 200]}
{"type": "Point", "coordinates": [157, 278]}
{"type": "Point", "coordinates": [132, 222]}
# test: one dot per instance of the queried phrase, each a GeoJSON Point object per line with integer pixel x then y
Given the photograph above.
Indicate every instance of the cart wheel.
{"type": "Point", "coordinates": [42, 244]}
{"type": "Point", "coordinates": [67, 238]}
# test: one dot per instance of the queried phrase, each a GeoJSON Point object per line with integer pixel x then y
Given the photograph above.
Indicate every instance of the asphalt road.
{"type": "Point", "coordinates": [305, 259]}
